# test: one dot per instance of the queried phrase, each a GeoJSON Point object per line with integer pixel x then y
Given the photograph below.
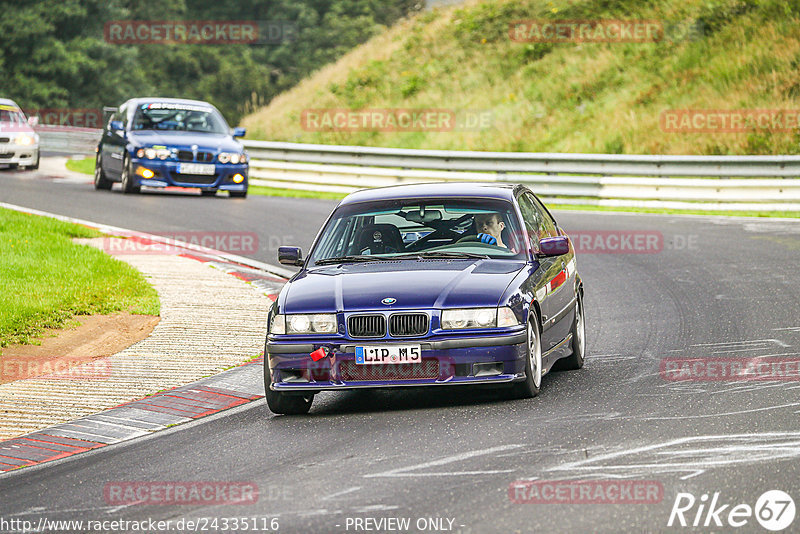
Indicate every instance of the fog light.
{"type": "Point", "coordinates": [145, 173]}
{"type": "Point", "coordinates": [238, 178]}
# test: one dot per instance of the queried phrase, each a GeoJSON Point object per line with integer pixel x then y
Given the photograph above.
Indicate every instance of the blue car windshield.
{"type": "Point", "coordinates": [413, 228]}
{"type": "Point", "coordinates": [179, 117]}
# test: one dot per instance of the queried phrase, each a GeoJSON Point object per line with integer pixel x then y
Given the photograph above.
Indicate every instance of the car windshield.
{"type": "Point", "coordinates": [179, 117]}
{"type": "Point", "coordinates": [11, 114]}
{"type": "Point", "coordinates": [410, 229]}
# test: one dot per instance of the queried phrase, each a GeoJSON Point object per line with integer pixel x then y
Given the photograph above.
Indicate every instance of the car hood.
{"type": "Point", "coordinates": [214, 142]}
{"type": "Point", "coordinates": [15, 127]}
{"type": "Point", "coordinates": [413, 284]}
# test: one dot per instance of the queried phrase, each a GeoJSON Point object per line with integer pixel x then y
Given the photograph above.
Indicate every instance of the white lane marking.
{"type": "Point", "coordinates": [403, 471]}
{"type": "Point", "coordinates": [374, 508]}
{"type": "Point", "coordinates": [340, 493]}
{"type": "Point", "coordinates": [789, 328]}
{"type": "Point", "coordinates": [747, 342]}
{"type": "Point", "coordinates": [732, 449]}
{"type": "Point", "coordinates": [721, 414]}
{"type": "Point", "coordinates": [123, 506]}
{"type": "Point", "coordinates": [692, 475]}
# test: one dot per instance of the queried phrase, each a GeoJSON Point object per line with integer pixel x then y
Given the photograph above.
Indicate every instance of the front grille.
{"type": "Point", "coordinates": [6, 155]}
{"type": "Point", "coordinates": [367, 326]}
{"type": "Point", "coordinates": [408, 324]}
{"type": "Point", "coordinates": [349, 370]}
{"type": "Point", "coordinates": [198, 179]}
{"type": "Point", "coordinates": [202, 157]}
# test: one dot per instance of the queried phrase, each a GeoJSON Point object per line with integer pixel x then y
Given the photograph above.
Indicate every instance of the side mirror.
{"type": "Point", "coordinates": [290, 256]}
{"type": "Point", "coordinates": [554, 246]}
{"type": "Point", "coordinates": [239, 132]}
{"type": "Point", "coordinates": [33, 121]}
{"type": "Point", "coordinates": [116, 127]}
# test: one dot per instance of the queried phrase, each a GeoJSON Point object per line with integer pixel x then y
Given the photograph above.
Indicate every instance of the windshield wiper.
{"type": "Point", "coordinates": [444, 254]}
{"type": "Point", "coordinates": [348, 259]}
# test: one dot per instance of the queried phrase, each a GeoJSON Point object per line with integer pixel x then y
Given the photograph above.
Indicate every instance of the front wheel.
{"type": "Point", "coordinates": [578, 331]}
{"type": "Point", "coordinates": [100, 179]}
{"type": "Point", "coordinates": [533, 364]}
{"type": "Point", "coordinates": [35, 164]}
{"type": "Point", "coordinates": [286, 404]}
{"type": "Point", "coordinates": [127, 179]}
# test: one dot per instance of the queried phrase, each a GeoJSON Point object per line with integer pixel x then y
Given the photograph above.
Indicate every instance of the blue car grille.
{"type": "Point", "coordinates": [408, 324]}
{"type": "Point", "coordinates": [367, 325]}
{"type": "Point", "coordinates": [351, 371]}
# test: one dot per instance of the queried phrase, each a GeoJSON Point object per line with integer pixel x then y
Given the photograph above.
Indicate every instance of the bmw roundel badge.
{"type": "Point", "coordinates": [389, 301]}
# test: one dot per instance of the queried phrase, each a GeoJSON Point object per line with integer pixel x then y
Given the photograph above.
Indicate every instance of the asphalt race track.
{"type": "Point", "coordinates": [713, 288]}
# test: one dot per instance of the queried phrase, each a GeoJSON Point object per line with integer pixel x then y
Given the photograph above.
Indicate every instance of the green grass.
{"type": "Point", "coordinates": [293, 193]}
{"type": "Point", "coordinates": [739, 213]}
{"type": "Point", "coordinates": [562, 97]}
{"type": "Point", "coordinates": [47, 279]}
{"type": "Point", "coordinates": [85, 165]}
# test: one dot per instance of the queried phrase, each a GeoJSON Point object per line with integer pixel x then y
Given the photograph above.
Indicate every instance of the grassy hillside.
{"type": "Point", "coordinates": [564, 97]}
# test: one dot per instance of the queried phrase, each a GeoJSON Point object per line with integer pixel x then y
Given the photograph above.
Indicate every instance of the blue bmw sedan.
{"type": "Point", "coordinates": [163, 142]}
{"type": "Point", "coordinates": [427, 285]}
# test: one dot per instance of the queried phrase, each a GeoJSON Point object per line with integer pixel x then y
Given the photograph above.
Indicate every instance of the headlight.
{"type": "Point", "coordinates": [153, 153]}
{"type": "Point", "coordinates": [319, 323]}
{"type": "Point", "coordinates": [24, 139]}
{"type": "Point", "coordinates": [478, 318]}
{"type": "Point", "coordinates": [231, 157]}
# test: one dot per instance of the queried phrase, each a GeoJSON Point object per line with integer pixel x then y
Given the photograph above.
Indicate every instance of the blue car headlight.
{"type": "Point", "coordinates": [232, 157]}
{"type": "Point", "coordinates": [153, 153]}
{"type": "Point", "coordinates": [460, 318]}
{"type": "Point", "coordinates": [302, 323]}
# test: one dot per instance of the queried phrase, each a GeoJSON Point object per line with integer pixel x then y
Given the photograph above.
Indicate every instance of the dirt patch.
{"type": "Point", "coordinates": [63, 353]}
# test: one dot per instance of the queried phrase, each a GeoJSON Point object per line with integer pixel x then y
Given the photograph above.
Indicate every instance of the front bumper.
{"type": "Point", "coordinates": [491, 359]}
{"type": "Point", "coordinates": [166, 175]}
{"type": "Point", "coordinates": [14, 154]}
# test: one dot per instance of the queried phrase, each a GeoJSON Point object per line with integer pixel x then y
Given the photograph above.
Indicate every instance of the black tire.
{"type": "Point", "coordinates": [533, 376]}
{"type": "Point", "coordinates": [101, 181]}
{"type": "Point", "coordinates": [238, 194]}
{"type": "Point", "coordinates": [578, 331]}
{"type": "Point", "coordinates": [35, 165]}
{"type": "Point", "coordinates": [126, 178]}
{"type": "Point", "coordinates": [286, 404]}
{"type": "Point", "coordinates": [208, 192]}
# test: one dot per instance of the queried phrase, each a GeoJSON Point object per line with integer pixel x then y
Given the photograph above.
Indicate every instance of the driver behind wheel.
{"type": "Point", "coordinates": [490, 228]}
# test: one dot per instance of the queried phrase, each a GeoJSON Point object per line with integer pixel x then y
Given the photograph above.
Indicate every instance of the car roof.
{"type": "Point", "coordinates": [8, 102]}
{"type": "Point", "coordinates": [434, 190]}
{"type": "Point", "coordinates": [148, 99]}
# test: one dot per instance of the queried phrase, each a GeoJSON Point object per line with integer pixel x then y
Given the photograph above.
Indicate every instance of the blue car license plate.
{"type": "Point", "coordinates": [388, 354]}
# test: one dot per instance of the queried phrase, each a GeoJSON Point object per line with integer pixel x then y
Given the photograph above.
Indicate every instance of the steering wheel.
{"type": "Point", "coordinates": [442, 233]}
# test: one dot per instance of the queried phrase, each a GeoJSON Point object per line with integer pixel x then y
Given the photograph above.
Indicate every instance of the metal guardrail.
{"type": "Point", "coordinates": [766, 183]}
{"type": "Point", "coordinates": [67, 140]}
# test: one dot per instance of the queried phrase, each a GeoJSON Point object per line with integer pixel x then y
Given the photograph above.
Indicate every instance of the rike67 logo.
{"type": "Point", "coordinates": [774, 510]}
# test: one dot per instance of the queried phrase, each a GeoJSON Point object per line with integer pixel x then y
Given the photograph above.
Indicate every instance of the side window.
{"type": "Point", "coordinates": [532, 219]}
{"type": "Point", "coordinates": [548, 224]}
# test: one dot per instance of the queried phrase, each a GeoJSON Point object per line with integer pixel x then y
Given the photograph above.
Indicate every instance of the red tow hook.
{"type": "Point", "coordinates": [319, 354]}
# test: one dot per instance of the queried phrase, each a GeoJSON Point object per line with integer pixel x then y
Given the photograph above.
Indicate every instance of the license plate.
{"type": "Point", "coordinates": [388, 354]}
{"type": "Point", "coordinates": [195, 168]}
